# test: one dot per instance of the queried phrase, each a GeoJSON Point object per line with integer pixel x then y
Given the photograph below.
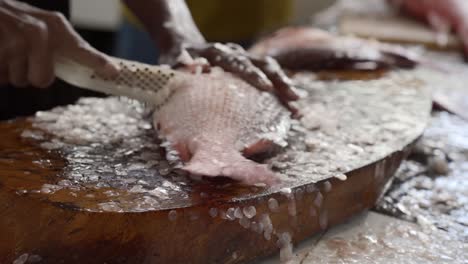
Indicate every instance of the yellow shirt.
{"type": "Point", "coordinates": [235, 20]}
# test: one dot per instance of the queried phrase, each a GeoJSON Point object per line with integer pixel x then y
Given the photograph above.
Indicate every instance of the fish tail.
{"type": "Point", "coordinates": [230, 163]}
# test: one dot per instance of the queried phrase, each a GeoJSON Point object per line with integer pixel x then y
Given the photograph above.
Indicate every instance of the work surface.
{"type": "Point", "coordinates": [422, 218]}
{"type": "Point", "coordinates": [90, 178]}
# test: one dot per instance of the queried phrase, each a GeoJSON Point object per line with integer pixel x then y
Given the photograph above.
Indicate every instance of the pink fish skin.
{"type": "Point", "coordinates": [307, 48]}
{"type": "Point", "coordinates": [211, 119]}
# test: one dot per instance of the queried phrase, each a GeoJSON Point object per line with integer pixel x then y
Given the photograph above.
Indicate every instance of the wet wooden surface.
{"type": "Point", "coordinates": [64, 226]}
{"type": "Point", "coordinates": [370, 238]}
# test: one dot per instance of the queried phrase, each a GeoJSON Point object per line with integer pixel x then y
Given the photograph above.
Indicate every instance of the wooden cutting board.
{"type": "Point", "coordinates": [86, 183]}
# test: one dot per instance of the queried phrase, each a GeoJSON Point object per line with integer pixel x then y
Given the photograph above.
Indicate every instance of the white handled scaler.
{"type": "Point", "coordinates": [143, 82]}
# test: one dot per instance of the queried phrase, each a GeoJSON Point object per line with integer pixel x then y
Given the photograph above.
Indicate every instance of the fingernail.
{"type": "Point", "coordinates": [266, 84]}
{"type": "Point", "coordinates": [294, 93]}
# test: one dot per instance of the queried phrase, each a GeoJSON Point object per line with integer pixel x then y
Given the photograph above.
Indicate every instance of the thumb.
{"type": "Point", "coordinates": [88, 56]}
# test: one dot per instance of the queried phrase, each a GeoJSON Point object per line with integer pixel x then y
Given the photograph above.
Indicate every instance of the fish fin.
{"type": "Point", "coordinates": [183, 150]}
{"type": "Point", "coordinates": [230, 164]}
{"type": "Point", "coordinates": [261, 146]}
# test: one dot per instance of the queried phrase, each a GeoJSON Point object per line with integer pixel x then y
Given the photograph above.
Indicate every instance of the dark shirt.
{"type": "Point", "coordinates": [16, 102]}
{"type": "Point", "coordinates": [62, 6]}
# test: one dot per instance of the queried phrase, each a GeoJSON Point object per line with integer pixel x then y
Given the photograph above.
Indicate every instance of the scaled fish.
{"type": "Point", "coordinates": [307, 48]}
{"type": "Point", "coordinates": [215, 120]}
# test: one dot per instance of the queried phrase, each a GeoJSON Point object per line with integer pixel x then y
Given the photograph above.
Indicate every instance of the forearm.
{"type": "Point", "coordinates": [441, 15]}
{"type": "Point", "coordinates": [172, 27]}
{"type": "Point", "coordinates": [454, 12]}
{"type": "Point", "coordinates": [169, 22]}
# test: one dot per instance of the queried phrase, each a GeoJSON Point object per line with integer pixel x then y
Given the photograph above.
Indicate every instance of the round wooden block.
{"type": "Point", "coordinates": [88, 183]}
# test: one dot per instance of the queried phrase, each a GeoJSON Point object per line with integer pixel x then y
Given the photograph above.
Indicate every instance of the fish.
{"type": "Point", "coordinates": [308, 48]}
{"type": "Point", "coordinates": [211, 119]}
{"type": "Point", "coordinates": [215, 121]}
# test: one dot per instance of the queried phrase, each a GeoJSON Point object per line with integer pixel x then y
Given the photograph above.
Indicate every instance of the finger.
{"type": "Point", "coordinates": [40, 59]}
{"type": "Point", "coordinates": [186, 62]}
{"type": "Point", "coordinates": [239, 64]}
{"type": "Point", "coordinates": [282, 84]}
{"type": "Point", "coordinates": [295, 113]}
{"type": "Point", "coordinates": [41, 69]}
{"type": "Point", "coordinates": [17, 72]}
{"type": "Point", "coordinates": [86, 55]}
{"type": "Point", "coordinates": [72, 46]}
{"type": "Point", "coordinates": [246, 70]}
{"type": "Point", "coordinates": [29, 37]}
{"type": "Point", "coordinates": [14, 52]}
{"type": "Point", "coordinates": [236, 47]}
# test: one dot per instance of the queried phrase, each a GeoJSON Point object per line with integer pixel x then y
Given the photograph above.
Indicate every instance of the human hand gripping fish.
{"type": "Point", "coordinates": [31, 39]}
{"type": "Point", "coordinates": [213, 120]}
{"type": "Point", "coordinates": [172, 28]}
{"type": "Point", "coordinates": [36, 39]}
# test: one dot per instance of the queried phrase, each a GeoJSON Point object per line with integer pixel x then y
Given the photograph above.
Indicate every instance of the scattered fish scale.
{"type": "Point", "coordinates": [108, 131]}
{"type": "Point", "coordinates": [434, 198]}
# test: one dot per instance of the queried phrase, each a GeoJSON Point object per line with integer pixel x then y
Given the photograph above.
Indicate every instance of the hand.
{"type": "Point", "coordinates": [171, 25]}
{"type": "Point", "coordinates": [306, 48]}
{"type": "Point", "coordinates": [30, 40]}
{"type": "Point", "coordinates": [262, 72]}
{"type": "Point", "coordinates": [441, 15]}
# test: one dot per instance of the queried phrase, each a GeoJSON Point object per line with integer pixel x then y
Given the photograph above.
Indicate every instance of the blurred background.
{"type": "Point", "coordinates": [103, 25]}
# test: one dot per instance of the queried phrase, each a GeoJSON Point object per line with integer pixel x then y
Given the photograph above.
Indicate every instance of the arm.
{"type": "Point", "coordinates": [453, 13]}
{"type": "Point", "coordinates": [169, 23]}
{"type": "Point", "coordinates": [31, 38]}
{"type": "Point", "coordinates": [171, 26]}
